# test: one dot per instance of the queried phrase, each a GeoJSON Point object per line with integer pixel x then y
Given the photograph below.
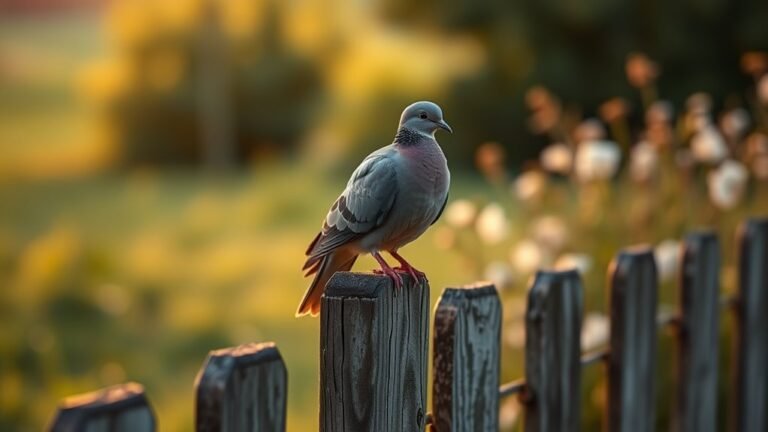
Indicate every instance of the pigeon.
{"type": "Point", "coordinates": [395, 194]}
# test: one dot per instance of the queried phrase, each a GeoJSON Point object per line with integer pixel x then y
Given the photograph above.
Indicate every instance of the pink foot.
{"type": "Point", "coordinates": [415, 274]}
{"type": "Point", "coordinates": [405, 267]}
{"type": "Point", "coordinates": [388, 271]}
{"type": "Point", "coordinates": [392, 274]}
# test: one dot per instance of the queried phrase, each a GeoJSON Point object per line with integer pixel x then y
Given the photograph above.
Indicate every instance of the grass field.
{"type": "Point", "coordinates": [138, 277]}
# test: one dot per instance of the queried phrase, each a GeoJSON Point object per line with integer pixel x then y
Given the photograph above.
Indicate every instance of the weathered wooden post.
{"type": "Point", "coordinates": [373, 354]}
{"type": "Point", "coordinates": [122, 408]}
{"type": "Point", "coordinates": [632, 360]}
{"type": "Point", "coordinates": [242, 389]}
{"type": "Point", "coordinates": [553, 352]}
{"type": "Point", "coordinates": [465, 391]}
{"type": "Point", "coordinates": [750, 404]}
{"type": "Point", "coordinates": [698, 332]}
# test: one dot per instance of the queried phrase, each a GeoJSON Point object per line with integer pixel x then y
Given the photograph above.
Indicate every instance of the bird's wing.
{"type": "Point", "coordinates": [440, 213]}
{"type": "Point", "coordinates": [362, 207]}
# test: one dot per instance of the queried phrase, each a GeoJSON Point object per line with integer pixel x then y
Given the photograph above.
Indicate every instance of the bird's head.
{"type": "Point", "coordinates": [424, 117]}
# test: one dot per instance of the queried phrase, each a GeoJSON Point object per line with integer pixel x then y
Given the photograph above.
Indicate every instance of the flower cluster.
{"type": "Point", "coordinates": [632, 173]}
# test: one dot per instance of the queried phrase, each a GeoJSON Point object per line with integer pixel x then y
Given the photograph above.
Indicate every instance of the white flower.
{"type": "Point", "coordinates": [530, 185]}
{"type": "Point", "coordinates": [589, 130]}
{"type": "Point", "coordinates": [734, 123]}
{"type": "Point", "coordinates": [582, 263]}
{"type": "Point", "coordinates": [597, 160]}
{"type": "Point", "coordinates": [460, 213]}
{"type": "Point", "coordinates": [550, 232]}
{"type": "Point", "coordinates": [667, 256]}
{"type": "Point", "coordinates": [643, 162]}
{"type": "Point", "coordinates": [500, 274]}
{"type": "Point", "coordinates": [727, 184]}
{"type": "Point", "coordinates": [492, 225]}
{"type": "Point", "coordinates": [526, 256]}
{"type": "Point", "coordinates": [595, 331]}
{"type": "Point", "coordinates": [557, 158]}
{"type": "Point", "coordinates": [762, 90]}
{"type": "Point", "coordinates": [708, 145]}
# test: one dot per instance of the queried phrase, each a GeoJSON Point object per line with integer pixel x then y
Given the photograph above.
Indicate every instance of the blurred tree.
{"type": "Point", "coordinates": [197, 93]}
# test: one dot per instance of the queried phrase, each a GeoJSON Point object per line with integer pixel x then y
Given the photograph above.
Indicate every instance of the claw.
{"type": "Point", "coordinates": [388, 271]}
{"type": "Point", "coordinates": [392, 274]}
{"type": "Point", "coordinates": [405, 267]}
{"type": "Point", "coordinates": [415, 274]}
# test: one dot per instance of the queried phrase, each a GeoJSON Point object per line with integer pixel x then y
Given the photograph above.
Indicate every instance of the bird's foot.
{"type": "Point", "coordinates": [417, 275]}
{"type": "Point", "coordinates": [388, 271]}
{"type": "Point", "coordinates": [392, 274]}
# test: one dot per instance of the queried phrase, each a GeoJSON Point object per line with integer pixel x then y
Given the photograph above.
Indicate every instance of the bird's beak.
{"type": "Point", "coordinates": [443, 125]}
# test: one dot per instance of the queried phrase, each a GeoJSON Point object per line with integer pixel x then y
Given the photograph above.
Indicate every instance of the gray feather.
{"type": "Point", "coordinates": [363, 205]}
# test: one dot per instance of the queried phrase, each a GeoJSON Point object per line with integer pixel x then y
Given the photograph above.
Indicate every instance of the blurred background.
{"type": "Point", "coordinates": [163, 166]}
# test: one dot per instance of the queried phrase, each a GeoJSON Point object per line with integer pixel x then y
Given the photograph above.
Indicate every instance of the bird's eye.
{"type": "Point", "coordinates": [423, 115]}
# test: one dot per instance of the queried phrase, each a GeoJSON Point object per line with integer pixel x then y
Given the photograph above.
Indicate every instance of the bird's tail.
{"type": "Point", "coordinates": [338, 260]}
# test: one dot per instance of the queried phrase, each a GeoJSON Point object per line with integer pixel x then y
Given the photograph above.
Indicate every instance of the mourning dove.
{"type": "Point", "coordinates": [395, 194]}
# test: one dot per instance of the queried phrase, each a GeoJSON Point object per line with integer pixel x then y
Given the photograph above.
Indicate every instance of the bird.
{"type": "Point", "coordinates": [391, 199]}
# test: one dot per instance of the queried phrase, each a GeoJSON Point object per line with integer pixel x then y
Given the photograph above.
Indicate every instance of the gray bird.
{"type": "Point", "coordinates": [390, 200]}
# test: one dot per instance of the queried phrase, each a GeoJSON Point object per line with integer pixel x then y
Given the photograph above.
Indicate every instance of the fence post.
{"type": "Point", "coordinates": [631, 363]}
{"type": "Point", "coordinates": [374, 343]}
{"type": "Point", "coordinates": [750, 406]}
{"type": "Point", "coordinates": [121, 408]}
{"type": "Point", "coordinates": [553, 352]}
{"type": "Point", "coordinates": [242, 389]}
{"type": "Point", "coordinates": [698, 333]}
{"type": "Point", "coordinates": [465, 391]}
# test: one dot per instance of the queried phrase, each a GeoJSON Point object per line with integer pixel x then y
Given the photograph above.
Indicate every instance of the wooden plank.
{"type": "Point", "coordinates": [465, 389]}
{"type": "Point", "coordinates": [373, 354]}
{"type": "Point", "coordinates": [553, 352]}
{"type": "Point", "coordinates": [698, 334]}
{"type": "Point", "coordinates": [632, 362]}
{"type": "Point", "coordinates": [750, 404]}
{"type": "Point", "coordinates": [242, 389]}
{"type": "Point", "coordinates": [121, 408]}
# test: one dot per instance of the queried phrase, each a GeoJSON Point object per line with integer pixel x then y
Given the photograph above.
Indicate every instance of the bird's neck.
{"type": "Point", "coordinates": [407, 137]}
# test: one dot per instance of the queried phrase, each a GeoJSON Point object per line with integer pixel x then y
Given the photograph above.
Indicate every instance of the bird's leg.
{"type": "Point", "coordinates": [387, 270]}
{"type": "Point", "coordinates": [407, 267]}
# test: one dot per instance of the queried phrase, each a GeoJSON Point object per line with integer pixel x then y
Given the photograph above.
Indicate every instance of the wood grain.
{"type": "Point", "coordinates": [553, 352]}
{"type": "Point", "coordinates": [242, 389]}
{"type": "Point", "coordinates": [698, 331]}
{"type": "Point", "coordinates": [121, 408]}
{"type": "Point", "coordinates": [373, 354]}
{"type": "Point", "coordinates": [465, 390]}
{"type": "Point", "coordinates": [632, 361]}
{"type": "Point", "coordinates": [750, 403]}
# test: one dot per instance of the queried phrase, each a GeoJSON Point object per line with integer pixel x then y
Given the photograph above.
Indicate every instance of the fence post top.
{"type": "Point", "coordinates": [263, 351]}
{"type": "Point", "coordinates": [131, 393]}
{"type": "Point", "coordinates": [220, 364]}
{"type": "Point", "coordinates": [752, 226]}
{"type": "Point", "coordinates": [555, 275]}
{"type": "Point", "coordinates": [761, 221]}
{"type": "Point", "coordinates": [636, 251]}
{"type": "Point", "coordinates": [706, 234]}
{"type": "Point", "coordinates": [477, 289]}
{"type": "Point", "coordinates": [366, 285]}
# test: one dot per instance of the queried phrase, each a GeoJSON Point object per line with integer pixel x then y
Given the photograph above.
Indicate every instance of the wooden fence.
{"type": "Point", "coordinates": [374, 354]}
